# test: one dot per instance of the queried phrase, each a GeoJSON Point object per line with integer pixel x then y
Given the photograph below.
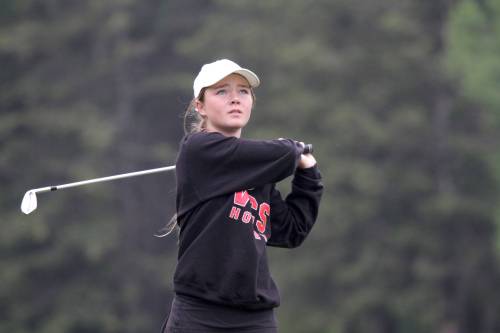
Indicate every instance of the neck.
{"type": "Point", "coordinates": [236, 133]}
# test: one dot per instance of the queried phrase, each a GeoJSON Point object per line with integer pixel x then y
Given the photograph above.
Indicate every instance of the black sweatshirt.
{"type": "Point", "coordinates": [228, 210]}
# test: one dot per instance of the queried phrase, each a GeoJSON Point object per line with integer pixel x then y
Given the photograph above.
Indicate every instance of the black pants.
{"type": "Point", "coordinates": [189, 315]}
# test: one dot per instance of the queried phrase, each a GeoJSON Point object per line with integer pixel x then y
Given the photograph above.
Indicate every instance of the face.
{"type": "Point", "coordinates": [227, 105]}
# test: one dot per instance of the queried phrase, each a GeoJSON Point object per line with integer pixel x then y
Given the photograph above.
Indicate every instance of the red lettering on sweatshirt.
{"type": "Point", "coordinates": [247, 217]}
{"type": "Point", "coordinates": [242, 198]}
{"type": "Point", "coordinates": [263, 210]}
{"type": "Point", "coordinates": [235, 213]}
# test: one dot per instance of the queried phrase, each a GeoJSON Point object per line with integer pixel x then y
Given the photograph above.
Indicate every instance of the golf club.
{"type": "Point", "coordinates": [29, 203]}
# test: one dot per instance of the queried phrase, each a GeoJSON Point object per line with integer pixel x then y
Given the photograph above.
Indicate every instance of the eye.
{"type": "Point", "coordinates": [220, 92]}
{"type": "Point", "coordinates": [245, 91]}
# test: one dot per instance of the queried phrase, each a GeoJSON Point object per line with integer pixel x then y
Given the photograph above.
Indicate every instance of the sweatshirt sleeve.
{"type": "Point", "coordinates": [293, 218]}
{"type": "Point", "coordinates": [216, 164]}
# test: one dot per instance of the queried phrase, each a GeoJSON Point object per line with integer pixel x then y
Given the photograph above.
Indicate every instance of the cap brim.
{"type": "Point", "coordinates": [250, 76]}
{"type": "Point", "coordinates": [252, 79]}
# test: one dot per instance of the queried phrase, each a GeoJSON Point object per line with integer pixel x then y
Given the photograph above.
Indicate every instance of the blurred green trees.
{"type": "Point", "coordinates": [473, 59]}
{"type": "Point", "coordinates": [473, 51]}
{"type": "Point", "coordinates": [399, 98]}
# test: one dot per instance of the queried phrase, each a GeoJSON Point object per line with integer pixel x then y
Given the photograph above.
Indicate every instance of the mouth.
{"type": "Point", "coordinates": [235, 111]}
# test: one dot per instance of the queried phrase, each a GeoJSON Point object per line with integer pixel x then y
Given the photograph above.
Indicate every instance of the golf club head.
{"type": "Point", "coordinates": [29, 202]}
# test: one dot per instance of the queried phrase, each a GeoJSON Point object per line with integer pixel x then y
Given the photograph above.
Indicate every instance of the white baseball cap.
{"type": "Point", "coordinates": [214, 72]}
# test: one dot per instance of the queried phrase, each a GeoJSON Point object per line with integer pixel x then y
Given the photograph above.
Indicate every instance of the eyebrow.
{"type": "Point", "coordinates": [227, 84]}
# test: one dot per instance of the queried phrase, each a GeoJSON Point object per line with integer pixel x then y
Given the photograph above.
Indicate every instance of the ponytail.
{"type": "Point", "coordinates": [169, 227]}
{"type": "Point", "coordinates": [193, 121]}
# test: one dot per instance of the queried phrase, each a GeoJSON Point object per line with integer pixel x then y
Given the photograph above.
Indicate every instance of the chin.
{"type": "Point", "coordinates": [236, 125]}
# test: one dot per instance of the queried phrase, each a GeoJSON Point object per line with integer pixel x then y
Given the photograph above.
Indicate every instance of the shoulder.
{"type": "Point", "coordinates": [207, 144]}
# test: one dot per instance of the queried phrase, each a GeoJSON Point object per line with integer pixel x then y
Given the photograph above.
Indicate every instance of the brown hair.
{"type": "Point", "coordinates": [193, 121]}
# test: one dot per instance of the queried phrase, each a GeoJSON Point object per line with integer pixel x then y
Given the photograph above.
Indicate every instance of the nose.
{"type": "Point", "coordinates": [234, 98]}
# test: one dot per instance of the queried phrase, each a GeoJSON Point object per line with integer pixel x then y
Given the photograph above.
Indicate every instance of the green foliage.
{"type": "Point", "coordinates": [405, 237]}
{"type": "Point", "coordinates": [474, 49]}
{"type": "Point", "coordinates": [81, 262]}
{"type": "Point", "coordinates": [473, 57]}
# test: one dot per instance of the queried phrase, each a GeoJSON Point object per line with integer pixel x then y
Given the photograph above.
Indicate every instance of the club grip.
{"type": "Point", "coordinates": [308, 148]}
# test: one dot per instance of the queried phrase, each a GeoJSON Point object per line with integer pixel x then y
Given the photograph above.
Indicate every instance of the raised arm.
{"type": "Point", "coordinates": [211, 164]}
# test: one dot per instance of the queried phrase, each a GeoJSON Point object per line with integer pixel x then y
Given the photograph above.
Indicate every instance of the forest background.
{"type": "Point", "coordinates": [401, 100]}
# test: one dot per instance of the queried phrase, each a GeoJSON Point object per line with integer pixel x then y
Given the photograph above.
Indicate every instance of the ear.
{"type": "Point", "coordinates": [200, 108]}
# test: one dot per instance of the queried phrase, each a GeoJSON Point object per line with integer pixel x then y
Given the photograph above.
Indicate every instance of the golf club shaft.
{"type": "Point", "coordinates": [29, 202]}
{"type": "Point", "coordinates": [103, 179]}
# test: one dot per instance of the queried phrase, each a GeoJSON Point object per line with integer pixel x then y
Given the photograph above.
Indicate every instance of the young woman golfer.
{"type": "Point", "coordinates": [229, 210]}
